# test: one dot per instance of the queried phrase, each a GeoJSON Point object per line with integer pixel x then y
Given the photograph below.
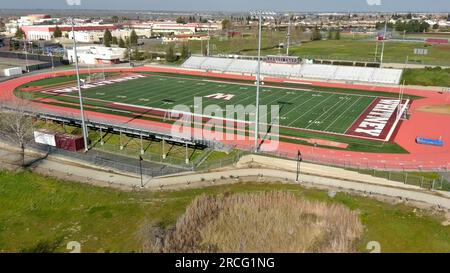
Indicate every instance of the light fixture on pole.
{"type": "Point", "coordinates": [140, 165]}
{"type": "Point", "coordinates": [258, 82]}
{"type": "Point", "coordinates": [299, 159]}
{"type": "Point", "coordinates": [83, 123]}
{"type": "Point", "coordinates": [382, 47]}
{"type": "Point", "coordinates": [258, 76]}
{"type": "Point", "coordinates": [288, 36]}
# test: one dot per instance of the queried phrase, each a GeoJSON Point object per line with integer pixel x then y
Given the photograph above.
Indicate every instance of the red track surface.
{"type": "Point", "coordinates": [421, 124]}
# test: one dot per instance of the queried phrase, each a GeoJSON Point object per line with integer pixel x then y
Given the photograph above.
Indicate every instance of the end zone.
{"type": "Point", "coordinates": [379, 120]}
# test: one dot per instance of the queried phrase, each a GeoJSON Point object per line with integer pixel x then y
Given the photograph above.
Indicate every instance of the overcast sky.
{"type": "Point", "coordinates": [236, 5]}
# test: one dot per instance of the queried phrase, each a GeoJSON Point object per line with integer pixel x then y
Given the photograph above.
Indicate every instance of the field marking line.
{"type": "Point", "coordinates": [362, 113]}
{"type": "Point", "coordinates": [284, 115]}
{"type": "Point", "coordinates": [337, 118]}
{"type": "Point", "coordinates": [290, 124]}
{"type": "Point", "coordinates": [299, 105]}
{"type": "Point", "coordinates": [332, 107]}
{"type": "Point", "coordinates": [397, 120]}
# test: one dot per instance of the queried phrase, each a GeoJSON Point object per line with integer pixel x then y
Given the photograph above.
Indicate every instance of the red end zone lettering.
{"type": "Point", "coordinates": [378, 120]}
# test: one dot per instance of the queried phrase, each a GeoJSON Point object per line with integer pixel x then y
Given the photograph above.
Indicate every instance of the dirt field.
{"type": "Point", "coordinates": [437, 109]}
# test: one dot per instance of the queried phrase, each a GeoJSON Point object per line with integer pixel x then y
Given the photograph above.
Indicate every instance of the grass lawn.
{"type": "Point", "coordinates": [427, 77]}
{"type": "Point", "coordinates": [39, 213]}
{"type": "Point", "coordinates": [365, 50]}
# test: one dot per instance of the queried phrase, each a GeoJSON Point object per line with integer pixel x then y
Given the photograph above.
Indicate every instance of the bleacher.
{"type": "Point", "coordinates": [311, 71]}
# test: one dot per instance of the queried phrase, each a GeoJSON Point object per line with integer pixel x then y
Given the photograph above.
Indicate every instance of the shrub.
{"type": "Point", "coordinates": [260, 222]}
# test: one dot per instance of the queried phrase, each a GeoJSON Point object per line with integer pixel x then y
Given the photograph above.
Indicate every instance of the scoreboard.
{"type": "Point", "coordinates": [280, 59]}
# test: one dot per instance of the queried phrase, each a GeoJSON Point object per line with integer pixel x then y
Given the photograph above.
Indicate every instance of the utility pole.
{"type": "Point", "coordinates": [258, 83]}
{"type": "Point", "coordinates": [209, 38]}
{"type": "Point", "coordinates": [83, 124]}
{"type": "Point", "coordinates": [288, 36]}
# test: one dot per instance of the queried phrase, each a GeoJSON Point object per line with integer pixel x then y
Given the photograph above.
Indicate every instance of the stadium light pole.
{"type": "Point", "coordinates": [209, 38]}
{"type": "Point", "coordinates": [77, 68]}
{"type": "Point", "coordinates": [382, 47]}
{"type": "Point", "coordinates": [258, 82]}
{"type": "Point", "coordinates": [288, 36]}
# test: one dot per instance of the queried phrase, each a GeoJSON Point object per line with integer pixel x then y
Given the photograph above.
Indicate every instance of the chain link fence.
{"type": "Point", "coordinates": [408, 173]}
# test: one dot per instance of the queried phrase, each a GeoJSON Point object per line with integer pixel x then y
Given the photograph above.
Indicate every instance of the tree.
{"type": "Point", "coordinates": [181, 20]}
{"type": "Point", "coordinates": [226, 24]}
{"type": "Point", "coordinates": [57, 33]}
{"type": "Point", "coordinates": [170, 54]}
{"type": "Point", "coordinates": [330, 35]}
{"type": "Point", "coordinates": [115, 19]}
{"type": "Point", "coordinates": [436, 26]}
{"type": "Point", "coordinates": [133, 38]}
{"type": "Point", "coordinates": [337, 35]}
{"type": "Point", "coordinates": [122, 43]}
{"type": "Point", "coordinates": [185, 51]}
{"type": "Point", "coordinates": [16, 125]}
{"type": "Point", "coordinates": [20, 34]}
{"type": "Point", "coordinates": [107, 38]}
{"type": "Point", "coordinates": [316, 36]}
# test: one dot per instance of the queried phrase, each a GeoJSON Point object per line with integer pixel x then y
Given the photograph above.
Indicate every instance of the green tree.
{"type": "Point", "coordinates": [107, 38]}
{"type": "Point", "coordinates": [133, 38]}
{"type": "Point", "coordinates": [57, 33]}
{"type": "Point", "coordinates": [337, 35]}
{"type": "Point", "coordinates": [330, 35]}
{"type": "Point", "coordinates": [115, 19]}
{"type": "Point", "coordinates": [114, 40]}
{"type": "Point", "coordinates": [20, 34]}
{"type": "Point", "coordinates": [226, 24]}
{"type": "Point", "coordinates": [122, 43]}
{"type": "Point", "coordinates": [170, 54]}
{"type": "Point", "coordinates": [181, 20]}
{"type": "Point", "coordinates": [185, 51]}
{"type": "Point", "coordinates": [316, 36]}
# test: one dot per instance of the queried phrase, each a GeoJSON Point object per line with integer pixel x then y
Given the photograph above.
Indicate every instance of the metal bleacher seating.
{"type": "Point", "coordinates": [313, 71]}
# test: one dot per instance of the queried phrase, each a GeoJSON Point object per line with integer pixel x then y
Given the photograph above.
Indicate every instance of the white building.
{"type": "Point", "coordinates": [93, 55]}
{"type": "Point", "coordinates": [87, 36]}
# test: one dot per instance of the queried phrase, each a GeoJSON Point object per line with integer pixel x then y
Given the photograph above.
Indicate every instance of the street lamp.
{"type": "Point", "coordinates": [299, 159]}
{"type": "Point", "coordinates": [83, 124]}
{"type": "Point", "coordinates": [140, 165]}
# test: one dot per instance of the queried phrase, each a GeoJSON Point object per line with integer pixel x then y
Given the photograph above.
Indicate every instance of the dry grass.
{"type": "Point", "coordinates": [259, 222]}
{"type": "Point", "coordinates": [437, 109]}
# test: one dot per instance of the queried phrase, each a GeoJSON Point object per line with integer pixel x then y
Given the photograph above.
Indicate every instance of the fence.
{"type": "Point", "coordinates": [434, 181]}
{"type": "Point", "coordinates": [408, 174]}
{"type": "Point", "coordinates": [114, 162]}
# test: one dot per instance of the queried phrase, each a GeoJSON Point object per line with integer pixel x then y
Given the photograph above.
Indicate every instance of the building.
{"type": "Point", "coordinates": [7, 71]}
{"type": "Point", "coordinates": [87, 36]}
{"type": "Point", "coordinates": [93, 55]}
{"type": "Point", "coordinates": [45, 32]}
{"type": "Point", "coordinates": [30, 20]}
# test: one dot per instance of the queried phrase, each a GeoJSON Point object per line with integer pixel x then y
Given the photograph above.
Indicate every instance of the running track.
{"type": "Point", "coordinates": [421, 124]}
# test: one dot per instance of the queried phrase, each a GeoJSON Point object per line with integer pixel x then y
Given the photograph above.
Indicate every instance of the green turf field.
{"type": "Point", "coordinates": [313, 110]}
{"type": "Point", "coordinates": [306, 112]}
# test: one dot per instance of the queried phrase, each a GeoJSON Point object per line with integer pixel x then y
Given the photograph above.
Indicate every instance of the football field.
{"type": "Point", "coordinates": [302, 108]}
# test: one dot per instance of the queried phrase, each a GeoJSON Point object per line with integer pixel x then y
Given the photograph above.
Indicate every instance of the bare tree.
{"type": "Point", "coordinates": [16, 124]}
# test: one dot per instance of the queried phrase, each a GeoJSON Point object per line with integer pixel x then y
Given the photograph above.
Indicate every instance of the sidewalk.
{"type": "Point", "coordinates": [249, 168]}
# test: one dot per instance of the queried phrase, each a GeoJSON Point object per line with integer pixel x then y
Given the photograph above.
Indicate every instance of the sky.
{"type": "Point", "coordinates": [235, 5]}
